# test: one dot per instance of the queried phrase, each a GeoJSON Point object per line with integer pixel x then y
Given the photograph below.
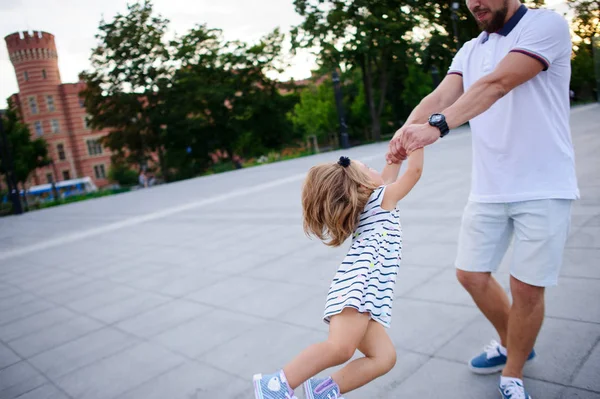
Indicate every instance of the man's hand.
{"type": "Point", "coordinates": [418, 136]}
{"type": "Point", "coordinates": [396, 153]}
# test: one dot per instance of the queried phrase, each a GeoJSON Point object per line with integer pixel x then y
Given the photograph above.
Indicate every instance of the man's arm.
{"type": "Point", "coordinates": [448, 91]}
{"type": "Point", "coordinates": [514, 70]}
{"type": "Point", "coordinates": [442, 97]}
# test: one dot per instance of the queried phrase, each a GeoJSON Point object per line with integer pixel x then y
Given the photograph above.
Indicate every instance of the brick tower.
{"type": "Point", "coordinates": [54, 111]}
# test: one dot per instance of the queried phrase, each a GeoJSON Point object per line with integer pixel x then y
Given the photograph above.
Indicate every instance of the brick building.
{"type": "Point", "coordinates": [54, 111]}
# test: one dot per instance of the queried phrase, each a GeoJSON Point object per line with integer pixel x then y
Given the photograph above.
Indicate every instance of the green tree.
{"type": "Point", "coordinates": [126, 89]}
{"type": "Point", "coordinates": [121, 173]}
{"type": "Point", "coordinates": [586, 25]}
{"type": "Point", "coordinates": [358, 116]}
{"type": "Point", "coordinates": [370, 35]}
{"type": "Point", "coordinates": [417, 85]}
{"type": "Point", "coordinates": [27, 154]}
{"type": "Point", "coordinates": [221, 98]}
{"type": "Point", "coordinates": [583, 80]}
{"type": "Point", "coordinates": [315, 113]}
{"type": "Point", "coordinates": [586, 19]}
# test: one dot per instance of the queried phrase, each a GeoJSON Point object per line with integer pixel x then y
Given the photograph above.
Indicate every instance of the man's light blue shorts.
{"type": "Point", "coordinates": [540, 229]}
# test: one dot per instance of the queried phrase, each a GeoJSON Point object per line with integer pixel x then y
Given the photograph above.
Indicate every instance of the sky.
{"type": "Point", "coordinates": [75, 23]}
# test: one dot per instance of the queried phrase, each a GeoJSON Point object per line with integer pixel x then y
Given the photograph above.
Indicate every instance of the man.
{"type": "Point", "coordinates": [142, 179]}
{"type": "Point", "coordinates": [512, 84]}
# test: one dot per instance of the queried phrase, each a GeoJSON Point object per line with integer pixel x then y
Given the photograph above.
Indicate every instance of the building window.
{"type": "Point", "coordinates": [99, 171]}
{"type": "Point", "coordinates": [94, 147]}
{"type": "Point", "coordinates": [33, 105]}
{"type": "Point", "coordinates": [66, 175]}
{"type": "Point", "coordinates": [81, 103]}
{"type": "Point", "coordinates": [39, 131]}
{"type": "Point", "coordinates": [50, 102]}
{"type": "Point", "coordinates": [44, 74]}
{"type": "Point", "coordinates": [55, 126]}
{"type": "Point", "coordinates": [49, 177]}
{"type": "Point", "coordinates": [86, 122]}
{"type": "Point", "coordinates": [26, 76]}
{"type": "Point", "coordinates": [60, 148]}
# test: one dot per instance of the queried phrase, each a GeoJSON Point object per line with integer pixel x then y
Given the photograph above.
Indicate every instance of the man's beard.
{"type": "Point", "coordinates": [497, 21]}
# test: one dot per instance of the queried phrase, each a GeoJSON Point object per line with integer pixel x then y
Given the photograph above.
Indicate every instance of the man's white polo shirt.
{"type": "Point", "coordinates": [522, 147]}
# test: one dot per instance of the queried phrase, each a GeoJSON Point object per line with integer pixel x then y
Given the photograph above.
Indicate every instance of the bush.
{"type": "Point", "coordinates": [82, 197]}
{"type": "Point", "coordinates": [285, 154]}
{"type": "Point", "coordinates": [5, 208]}
{"type": "Point", "coordinates": [222, 166]}
{"type": "Point", "coordinates": [121, 174]}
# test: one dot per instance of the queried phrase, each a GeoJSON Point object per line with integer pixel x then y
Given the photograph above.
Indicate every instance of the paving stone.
{"type": "Point", "coordinates": [18, 379]}
{"type": "Point", "coordinates": [191, 381]}
{"type": "Point", "coordinates": [556, 363]}
{"type": "Point", "coordinates": [81, 352]}
{"type": "Point", "coordinates": [199, 297]}
{"type": "Point", "coordinates": [162, 318]}
{"type": "Point", "coordinates": [34, 323]}
{"type": "Point", "coordinates": [124, 370]}
{"type": "Point", "coordinates": [206, 332]}
{"type": "Point", "coordinates": [54, 336]}
{"type": "Point", "coordinates": [588, 376]}
{"type": "Point", "coordinates": [424, 327]}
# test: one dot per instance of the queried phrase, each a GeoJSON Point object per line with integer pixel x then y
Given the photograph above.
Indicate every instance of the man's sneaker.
{"type": "Point", "coordinates": [321, 388]}
{"type": "Point", "coordinates": [491, 360]}
{"type": "Point", "coordinates": [513, 390]}
{"type": "Point", "coordinates": [272, 386]}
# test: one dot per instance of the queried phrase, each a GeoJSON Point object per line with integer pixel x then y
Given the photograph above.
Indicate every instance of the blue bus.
{"type": "Point", "coordinates": [65, 189]}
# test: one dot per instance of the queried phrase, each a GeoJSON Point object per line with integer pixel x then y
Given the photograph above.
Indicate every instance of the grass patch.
{"type": "Point", "coordinates": [78, 198]}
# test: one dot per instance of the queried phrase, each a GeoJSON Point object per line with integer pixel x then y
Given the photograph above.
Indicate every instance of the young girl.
{"type": "Point", "coordinates": [340, 200]}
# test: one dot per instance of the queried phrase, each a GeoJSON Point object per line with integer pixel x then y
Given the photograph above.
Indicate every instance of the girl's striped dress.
{"type": "Point", "coordinates": [366, 278]}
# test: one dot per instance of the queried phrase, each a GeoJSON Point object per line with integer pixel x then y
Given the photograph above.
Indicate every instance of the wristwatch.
{"type": "Point", "coordinates": [439, 121]}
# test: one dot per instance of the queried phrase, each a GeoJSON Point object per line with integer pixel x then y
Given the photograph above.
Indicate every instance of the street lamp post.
{"type": "Point", "coordinates": [13, 189]}
{"type": "Point", "coordinates": [344, 142]}
{"type": "Point", "coordinates": [596, 55]}
{"type": "Point", "coordinates": [435, 76]}
{"type": "Point", "coordinates": [54, 178]}
{"type": "Point", "coordinates": [455, 7]}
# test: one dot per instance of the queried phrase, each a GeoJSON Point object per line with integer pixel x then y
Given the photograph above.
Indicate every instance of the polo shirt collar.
{"type": "Point", "coordinates": [510, 24]}
{"type": "Point", "coordinates": [513, 21]}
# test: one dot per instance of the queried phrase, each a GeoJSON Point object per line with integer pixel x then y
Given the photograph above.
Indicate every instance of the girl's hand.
{"type": "Point", "coordinates": [396, 152]}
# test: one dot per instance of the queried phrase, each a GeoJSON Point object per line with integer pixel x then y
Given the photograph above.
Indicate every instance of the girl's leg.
{"type": "Point", "coordinates": [346, 330]}
{"type": "Point", "coordinates": [380, 357]}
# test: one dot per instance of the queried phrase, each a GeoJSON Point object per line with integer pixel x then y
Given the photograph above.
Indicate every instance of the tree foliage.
{"type": "Point", "coordinates": [366, 34]}
{"type": "Point", "coordinates": [586, 20]}
{"type": "Point", "coordinates": [183, 99]}
{"type": "Point", "coordinates": [27, 154]}
{"type": "Point", "coordinates": [132, 69]}
{"type": "Point", "coordinates": [315, 113]}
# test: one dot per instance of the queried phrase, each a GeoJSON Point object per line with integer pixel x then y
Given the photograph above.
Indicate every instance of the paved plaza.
{"type": "Point", "coordinates": [183, 291]}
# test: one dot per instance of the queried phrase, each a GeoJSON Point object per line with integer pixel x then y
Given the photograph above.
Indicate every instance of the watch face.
{"type": "Point", "coordinates": [436, 118]}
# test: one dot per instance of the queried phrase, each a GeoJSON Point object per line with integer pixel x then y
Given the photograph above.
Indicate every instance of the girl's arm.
{"type": "Point", "coordinates": [390, 172]}
{"type": "Point", "coordinates": [398, 189]}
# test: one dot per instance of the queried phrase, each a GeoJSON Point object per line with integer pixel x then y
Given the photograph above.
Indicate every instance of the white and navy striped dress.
{"type": "Point", "coordinates": [366, 278]}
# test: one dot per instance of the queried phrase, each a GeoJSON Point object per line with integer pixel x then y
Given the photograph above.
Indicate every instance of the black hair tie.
{"type": "Point", "coordinates": [344, 161]}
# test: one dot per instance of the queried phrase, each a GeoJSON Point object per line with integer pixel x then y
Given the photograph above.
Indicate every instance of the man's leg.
{"type": "Point", "coordinates": [524, 323]}
{"type": "Point", "coordinates": [489, 297]}
{"type": "Point", "coordinates": [541, 229]}
{"type": "Point", "coordinates": [485, 234]}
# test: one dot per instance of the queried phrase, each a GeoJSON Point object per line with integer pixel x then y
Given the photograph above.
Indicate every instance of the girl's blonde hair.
{"type": "Point", "coordinates": [333, 197]}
